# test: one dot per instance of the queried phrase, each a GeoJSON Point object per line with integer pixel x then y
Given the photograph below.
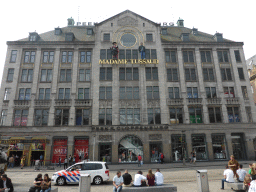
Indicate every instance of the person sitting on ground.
{"type": "Point", "coordinates": [159, 178]}
{"type": "Point", "coordinates": [241, 173]}
{"type": "Point", "coordinates": [127, 179]}
{"type": "Point", "coordinates": [151, 178]}
{"type": "Point", "coordinates": [118, 182]}
{"type": "Point", "coordinates": [37, 182]}
{"type": "Point", "coordinates": [46, 184]}
{"type": "Point", "coordinates": [6, 183]}
{"type": "Point", "coordinates": [228, 177]}
{"type": "Point", "coordinates": [139, 179]}
{"type": "Point", "coordinates": [247, 182]}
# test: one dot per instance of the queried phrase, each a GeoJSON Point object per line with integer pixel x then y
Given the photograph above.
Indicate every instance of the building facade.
{"type": "Point", "coordinates": [251, 66]}
{"type": "Point", "coordinates": [63, 94]}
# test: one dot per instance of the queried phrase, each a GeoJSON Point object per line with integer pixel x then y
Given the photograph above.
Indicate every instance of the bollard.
{"type": "Point", "coordinates": [85, 183]}
{"type": "Point", "coordinates": [202, 181]}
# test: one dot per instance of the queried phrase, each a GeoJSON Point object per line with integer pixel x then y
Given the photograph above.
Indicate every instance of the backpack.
{"type": "Point", "coordinates": [162, 156]}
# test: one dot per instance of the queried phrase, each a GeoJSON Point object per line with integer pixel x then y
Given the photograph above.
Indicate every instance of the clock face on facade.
{"type": "Point", "coordinates": [128, 40]}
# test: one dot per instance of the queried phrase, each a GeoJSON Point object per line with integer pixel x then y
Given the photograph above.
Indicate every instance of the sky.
{"type": "Point", "coordinates": [235, 19]}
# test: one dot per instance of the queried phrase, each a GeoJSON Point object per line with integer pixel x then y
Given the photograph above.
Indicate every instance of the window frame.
{"type": "Point", "coordinates": [153, 75]}
{"type": "Point", "coordinates": [171, 58]}
{"type": "Point", "coordinates": [189, 69]}
{"type": "Point", "coordinates": [234, 114]}
{"type": "Point", "coordinates": [10, 75]}
{"type": "Point", "coordinates": [222, 58]}
{"type": "Point", "coordinates": [14, 54]}
{"type": "Point", "coordinates": [154, 116]}
{"type": "Point", "coordinates": [126, 114]}
{"type": "Point", "coordinates": [207, 69]}
{"type": "Point", "coordinates": [46, 91]}
{"type": "Point", "coordinates": [85, 75]}
{"type": "Point", "coordinates": [123, 70]}
{"type": "Point", "coordinates": [106, 115]}
{"type": "Point", "coordinates": [106, 37]}
{"type": "Point", "coordinates": [65, 59]}
{"type": "Point", "coordinates": [188, 58]}
{"type": "Point", "coordinates": [176, 115]}
{"type": "Point", "coordinates": [20, 116]}
{"type": "Point", "coordinates": [170, 76]}
{"type": "Point", "coordinates": [174, 91]}
{"type": "Point", "coordinates": [211, 92]}
{"type": "Point", "coordinates": [49, 57]}
{"type": "Point", "coordinates": [237, 56]}
{"type": "Point", "coordinates": [30, 57]}
{"type": "Point", "coordinates": [26, 93]}
{"type": "Point", "coordinates": [133, 92]}
{"type": "Point", "coordinates": [206, 58]}
{"type": "Point", "coordinates": [62, 117]}
{"type": "Point", "coordinates": [241, 73]}
{"type": "Point", "coordinates": [28, 76]}
{"type": "Point", "coordinates": [65, 94]}
{"type": "Point", "coordinates": [67, 74]}
{"type": "Point", "coordinates": [149, 37]}
{"type": "Point", "coordinates": [4, 113]}
{"type": "Point", "coordinates": [106, 92]}
{"type": "Point", "coordinates": [48, 77]}
{"type": "Point", "coordinates": [194, 92]}
{"type": "Point", "coordinates": [196, 114]}
{"type": "Point", "coordinates": [84, 94]}
{"type": "Point", "coordinates": [106, 73]}
{"type": "Point", "coordinates": [153, 92]}
{"type": "Point", "coordinates": [42, 116]}
{"type": "Point", "coordinates": [225, 75]}
{"type": "Point", "coordinates": [215, 114]}
{"type": "Point", "coordinates": [87, 56]}
{"type": "Point", "coordinates": [83, 115]}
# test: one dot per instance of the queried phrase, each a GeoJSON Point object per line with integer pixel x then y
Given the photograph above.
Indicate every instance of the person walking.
{"type": "Point", "coordinates": [22, 162]}
{"type": "Point", "coordinates": [59, 164]}
{"type": "Point", "coordinates": [161, 158]}
{"type": "Point", "coordinates": [11, 161]}
{"type": "Point", "coordinates": [41, 159]}
{"type": "Point", "coordinates": [65, 163]}
{"type": "Point", "coordinates": [70, 160]}
{"type": "Point", "coordinates": [139, 160]}
{"type": "Point", "coordinates": [74, 159]}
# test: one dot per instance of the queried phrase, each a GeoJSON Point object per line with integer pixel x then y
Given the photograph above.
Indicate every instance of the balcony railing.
{"type": "Point", "coordinates": [62, 102]}
{"type": "Point", "coordinates": [42, 103]}
{"type": "Point", "coordinates": [83, 102]}
{"type": "Point", "coordinates": [178, 101]}
{"type": "Point", "coordinates": [214, 101]}
{"type": "Point", "coordinates": [194, 101]}
{"type": "Point", "coordinates": [21, 103]}
{"type": "Point", "coordinates": [232, 101]}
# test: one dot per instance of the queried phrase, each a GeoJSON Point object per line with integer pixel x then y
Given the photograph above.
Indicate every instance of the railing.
{"type": "Point", "coordinates": [42, 102]}
{"type": "Point", "coordinates": [21, 102]}
{"type": "Point", "coordinates": [83, 102]}
{"type": "Point", "coordinates": [63, 102]}
{"type": "Point", "coordinates": [178, 101]}
{"type": "Point", "coordinates": [194, 101]}
{"type": "Point", "coordinates": [231, 101]}
{"type": "Point", "coordinates": [214, 101]}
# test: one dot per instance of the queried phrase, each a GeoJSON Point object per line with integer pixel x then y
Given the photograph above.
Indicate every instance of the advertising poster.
{"type": "Point", "coordinates": [59, 150]}
{"type": "Point", "coordinates": [81, 148]}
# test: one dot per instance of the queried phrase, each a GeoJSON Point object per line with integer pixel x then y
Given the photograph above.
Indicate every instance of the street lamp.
{"type": "Point", "coordinates": [182, 145]}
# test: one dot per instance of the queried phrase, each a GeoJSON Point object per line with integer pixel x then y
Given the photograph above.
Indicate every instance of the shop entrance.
{"type": "Point", "coordinates": [238, 146]}
{"type": "Point", "coordinates": [155, 150]}
{"type": "Point", "coordinates": [17, 154]}
{"type": "Point", "coordinates": [105, 152]}
{"type": "Point", "coordinates": [35, 155]}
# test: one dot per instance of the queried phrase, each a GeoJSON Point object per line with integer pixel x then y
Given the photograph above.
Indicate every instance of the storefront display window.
{"type": "Point", "coordinates": [37, 148]}
{"type": "Point", "coordinates": [129, 148]}
{"type": "Point", "coordinates": [59, 150]}
{"type": "Point", "coordinates": [199, 147]}
{"type": "Point", "coordinates": [219, 146]}
{"type": "Point", "coordinates": [239, 150]}
{"type": "Point", "coordinates": [81, 149]}
{"type": "Point", "coordinates": [179, 147]}
{"type": "Point", "coordinates": [105, 150]}
{"type": "Point", "coordinates": [155, 150]}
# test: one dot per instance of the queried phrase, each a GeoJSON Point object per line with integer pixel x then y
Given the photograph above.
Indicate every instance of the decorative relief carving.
{"type": "Point", "coordinates": [127, 21]}
{"type": "Point", "coordinates": [153, 103]}
{"type": "Point", "coordinates": [105, 103]}
{"type": "Point", "coordinates": [130, 103]}
{"type": "Point", "coordinates": [103, 128]}
{"type": "Point", "coordinates": [105, 137]}
{"type": "Point", "coordinates": [155, 137]}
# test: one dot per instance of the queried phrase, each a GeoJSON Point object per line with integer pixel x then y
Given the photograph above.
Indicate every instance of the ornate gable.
{"type": "Point", "coordinates": [127, 21]}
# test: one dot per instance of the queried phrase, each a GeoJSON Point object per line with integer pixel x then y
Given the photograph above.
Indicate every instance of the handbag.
{"type": "Point", "coordinates": [44, 186]}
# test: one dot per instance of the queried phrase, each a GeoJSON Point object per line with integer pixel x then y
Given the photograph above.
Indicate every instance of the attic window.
{"type": "Point", "coordinates": [57, 31]}
{"type": "Point", "coordinates": [164, 31]}
{"type": "Point", "coordinates": [185, 37]}
{"type": "Point", "coordinates": [33, 36]}
{"type": "Point", "coordinates": [149, 37]}
{"type": "Point", "coordinates": [69, 36]}
{"type": "Point", "coordinates": [218, 37]}
{"type": "Point", "coordinates": [89, 31]}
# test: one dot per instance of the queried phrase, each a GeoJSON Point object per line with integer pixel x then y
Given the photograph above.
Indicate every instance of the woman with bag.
{"type": "Point", "coordinates": [46, 184]}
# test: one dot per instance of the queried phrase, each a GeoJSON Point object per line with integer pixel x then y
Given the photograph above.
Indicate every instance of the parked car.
{"type": "Point", "coordinates": [98, 171]}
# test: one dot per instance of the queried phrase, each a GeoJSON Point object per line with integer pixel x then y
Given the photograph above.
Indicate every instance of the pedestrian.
{"type": "Point", "coordinates": [151, 178]}
{"type": "Point", "coordinates": [11, 161]}
{"type": "Point", "coordinates": [159, 178]}
{"type": "Point", "coordinates": [59, 164]}
{"type": "Point", "coordinates": [22, 162]}
{"type": "Point", "coordinates": [65, 162]}
{"type": "Point", "coordinates": [74, 159]}
{"type": "Point", "coordinates": [118, 182]}
{"type": "Point", "coordinates": [41, 159]}
{"type": "Point", "coordinates": [233, 165]}
{"type": "Point", "coordinates": [70, 160]}
{"type": "Point", "coordinates": [228, 177]}
{"type": "Point", "coordinates": [6, 183]}
{"type": "Point", "coordinates": [127, 179]}
{"type": "Point", "coordinates": [161, 158]}
{"type": "Point", "coordinates": [139, 160]}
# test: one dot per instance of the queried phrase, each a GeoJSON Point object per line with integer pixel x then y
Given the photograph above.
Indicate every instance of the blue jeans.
{"type": "Point", "coordinates": [222, 183]}
{"type": "Point", "coordinates": [45, 190]}
{"type": "Point", "coordinates": [159, 184]}
{"type": "Point", "coordinates": [139, 163]}
{"type": "Point", "coordinates": [117, 189]}
{"type": "Point", "coordinates": [142, 55]}
{"type": "Point", "coordinates": [11, 164]}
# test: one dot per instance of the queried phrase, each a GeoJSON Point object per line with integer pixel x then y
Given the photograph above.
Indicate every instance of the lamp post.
{"type": "Point", "coordinates": [93, 147]}
{"type": "Point", "coordinates": [182, 145]}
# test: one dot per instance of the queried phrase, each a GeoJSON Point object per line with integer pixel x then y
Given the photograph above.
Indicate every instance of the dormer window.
{"type": "Point", "coordinates": [57, 31]}
{"type": "Point", "coordinates": [218, 37]}
{"type": "Point", "coordinates": [70, 36]}
{"type": "Point", "coordinates": [33, 36]}
{"type": "Point", "coordinates": [89, 31]}
{"type": "Point", "coordinates": [185, 36]}
{"type": "Point", "coordinates": [164, 31]}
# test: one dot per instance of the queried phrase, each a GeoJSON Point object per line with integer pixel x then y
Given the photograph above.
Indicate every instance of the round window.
{"type": "Point", "coordinates": [128, 40]}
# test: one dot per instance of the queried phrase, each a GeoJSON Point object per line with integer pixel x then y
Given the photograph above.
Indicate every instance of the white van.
{"type": "Point", "coordinates": [98, 171]}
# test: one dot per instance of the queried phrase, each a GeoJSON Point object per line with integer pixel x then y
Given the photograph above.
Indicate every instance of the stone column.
{"type": "Point", "coordinates": [70, 149]}
{"type": "Point", "coordinates": [167, 147]}
{"type": "Point", "coordinates": [115, 153]}
{"type": "Point", "coordinates": [189, 143]}
{"type": "Point", "coordinates": [229, 145]}
{"type": "Point", "coordinates": [146, 153]}
{"type": "Point", "coordinates": [143, 95]}
{"type": "Point", "coordinates": [209, 147]}
{"type": "Point", "coordinates": [115, 95]}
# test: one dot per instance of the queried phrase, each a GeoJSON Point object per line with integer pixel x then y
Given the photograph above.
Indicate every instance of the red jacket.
{"type": "Point", "coordinates": [139, 158]}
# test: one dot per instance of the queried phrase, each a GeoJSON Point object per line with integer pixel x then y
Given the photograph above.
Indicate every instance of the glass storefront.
{"type": "Point", "coordinates": [199, 146]}
{"type": "Point", "coordinates": [238, 146]}
{"type": "Point", "coordinates": [179, 147]}
{"type": "Point", "coordinates": [129, 148]}
{"type": "Point", "coordinates": [155, 150]}
{"type": "Point", "coordinates": [219, 146]}
{"type": "Point", "coordinates": [105, 152]}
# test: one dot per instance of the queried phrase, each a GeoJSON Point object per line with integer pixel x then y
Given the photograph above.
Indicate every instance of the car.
{"type": "Point", "coordinates": [98, 171]}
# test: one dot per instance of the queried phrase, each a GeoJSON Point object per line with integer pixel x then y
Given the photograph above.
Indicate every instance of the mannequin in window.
{"type": "Point", "coordinates": [142, 51]}
{"type": "Point", "coordinates": [114, 50]}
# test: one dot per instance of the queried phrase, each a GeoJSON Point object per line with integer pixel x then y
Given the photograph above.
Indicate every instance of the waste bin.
{"type": "Point", "coordinates": [85, 183]}
{"type": "Point", "coordinates": [202, 181]}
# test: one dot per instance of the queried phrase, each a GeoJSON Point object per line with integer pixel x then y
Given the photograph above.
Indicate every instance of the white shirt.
{"type": "Point", "coordinates": [159, 178]}
{"type": "Point", "coordinates": [138, 178]}
{"type": "Point", "coordinates": [5, 183]}
{"type": "Point", "coordinates": [118, 180]}
{"type": "Point", "coordinates": [241, 173]}
{"type": "Point", "coordinates": [229, 175]}
{"type": "Point", "coordinates": [252, 187]}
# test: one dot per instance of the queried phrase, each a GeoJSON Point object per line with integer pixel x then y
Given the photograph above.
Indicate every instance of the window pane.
{"type": "Point", "coordinates": [173, 56]}
{"type": "Point", "coordinates": [47, 93]}
{"type": "Point", "coordinates": [149, 93]}
{"type": "Point", "coordinates": [68, 75]}
{"type": "Point", "coordinates": [30, 75]}
{"type": "Point", "coordinates": [211, 75]}
{"type": "Point", "coordinates": [86, 117]}
{"type": "Point", "coordinates": [148, 73]}
{"type": "Point", "coordinates": [79, 117]}
{"type": "Point", "coordinates": [136, 93]}
{"type": "Point", "coordinates": [121, 73]}
{"type": "Point", "coordinates": [150, 116]}
{"type": "Point", "coordinates": [109, 93]}
{"type": "Point", "coordinates": [102, 73]}
{"type": "Point", "coordinates": [136, 116]}
{"type": "Point", "coordinates": [129, 116]}
{"type": "Point", "coordinates": [67, 93]}
{"type": "Point", "coordinates": [24, 75]}
{"type": "Point", "coordinates": [128, 54]}
{"type": "Point", "coordinates": [205, 74]}
{"type": "Point", "coordinates": [51, 58]}
{"type": "Point", "coordinates": [135, 74]}
{"type": "Point", "coordinates": [185, 56]}
{"type": "Point", "coordinates": [43, 75]}
{"type": "Point", "coordinates": [155, 73]}
{"type": "Point", "coordinates": [167, 56]}
{"type": "Point", "coordinates": [86, 93]}
{"type": "Point", "coordinates": [187, 74]}
{"type": "Point", "coordinates": [156, 92]}
{"type": "Point", "coordinates": [102, 93]}
{"type": "Point", "coordinates": [128, 73]}
{"type": "Point", "coordinates": [49, 75]}
{"type": "Point", "coordinates": [109, 73]}
{"type": "Point", "coordinates": [129, 92]}
{"type": "Point", "coordinates": [65, 116]}
{"type": "Point", "coordinates": [157, 116]}
{"type": "Point", "coordinates": [229, 76]}
{"type": "Point", "coordinates": [193, 74]}
{"type": "Point", "coordinates": [103, 54]}
{"type": "Point", "coordinates": [170, 90]}
{"type": "Point", "coordinates": [61, 93]}
{"type": "Point", "coordinates": [241, 73]}
{"type": "Point", "coordinates": [80, 93]}
{"type": "Point", "coordinates": [175, 74]}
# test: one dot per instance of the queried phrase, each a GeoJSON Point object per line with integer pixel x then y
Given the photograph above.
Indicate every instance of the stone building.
{"type": "Point", "coordinates": [251, 66]}
{"type": "Point", "coordinates": [62, 93]}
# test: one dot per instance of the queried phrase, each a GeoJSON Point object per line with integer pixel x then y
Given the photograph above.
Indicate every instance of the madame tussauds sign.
{"type": "Point", "coordinates": [128, 61]}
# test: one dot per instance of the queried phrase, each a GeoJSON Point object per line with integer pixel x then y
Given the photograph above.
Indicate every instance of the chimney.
{"type": "Point", "coordinates": [180, 23]}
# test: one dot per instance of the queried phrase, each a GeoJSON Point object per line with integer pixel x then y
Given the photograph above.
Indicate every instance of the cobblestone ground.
{"type": "Point", "coordinates": [184, 178]}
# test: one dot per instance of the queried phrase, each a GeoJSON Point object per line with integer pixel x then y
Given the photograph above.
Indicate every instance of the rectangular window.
{"type": "Point", "coordinates": [29, 56]}
{"type": "Point", "coordinates": [27, 75]}
{"type": "Point", "coordinates": [244, 92]}
{"type": "Point", "coordinates": [82, 116]}
{"type": "Point", "coordinates": [223, 56]}
{"type": "Point", "coordinates": [10, 75]}
{"type": "Point", "coordinates": [4, 117]}
{"type": "Point", "coordinates": [48, 56]}
{"type": "Point", "coordinates": [176, 116]}
{"type": "Point", "coordinates": [153, 54]}
{"type": "Point", "coordinates": [154, 116]}
{"type": "Point", "coordinates": [121, 54]}
{"type": "Point", "coordinates": [173, 92]}
{"type": "Point", "coordinates": [210, 92]}
{"type": "Point", "coordinates": [214, 114]}
{"type": "Point", "coordinates": [229, 92]}
{"type": "Point", "coordinates": [241, 73]}
{"type": "Point", "coordinates": [172, 74]}
{"type": "Point", "coordinates": [188, 57]}
{"type": "Point", "coordinates": [206, 57]}
{"type": "Point", "coordinates": [237, 55]}
{"type": "Point", "coordinates": [44, 94]}
{"type": "Point", "coordinates": [24, 94]}
{"type": "Point", "coordinates": [105, 117]}
{"type": "Point", "coordinates": [106, 73]}
{"type": "Point", "coordinates": [13, 56]}
{"type": "Point", "coordinates": [149, 37]}
{"type": "Point", "coordinates": [208, 74]}
{"type": "Point", "coordinates": [195, 115]}
{"type": "Point", "coordinates": [46, 75]}
{"type": "Point", "coordinates": [83, 93]}
{"type": "Point", "coordinates": [128, 74]}
{"type": "Point", "coordinates": [103, 54]}
{"type": "Point", "coordinates": [129, 92]}
{"type": "Point", "coordinates": [20, 117]}
{"type": "Point", "coordinates": [147, 53]}
{"type": "Point", "coordinates": [129, 116]}
{"type": "Point", "coordinates": [153, 92]}
{"type": "Point", "coordinates": [7, 94]}
{"type": "Point", "coordinates": [105, 93]}
{"type": "Point", "coordinates": [65, 75]}
{"type": "Point", "coordinates": [61, 116]}
{"type": "Point", "coordinates": [41, 117]}
{"type": "Point", "coordinates": [128, 53]}
{"type": "Point", "coordinates": [84, 74]}
{"type": "Point", "coordinates": [248, 114]}
{"type": "Point", "coordinates": [67, 56]}
{"type": "Point", "coordinates": [170, 56]}
{"type": "Point", "coordinates": [233, 114]}
{"type": "Point", "coordinates": [190, 74]}
{"type": "Point", "coordinates": [151, 73]}
{"type": "Point", "coordinates": [64, 93]}
{"type": "Point", "coordinates": [106, 37]}
{"type": "Point", "coordinates": [85, 56]}
{"type": "Point", "coordinates": [89, 31]}
{"type": "Point", "coordinates": [192, 92]}
{"type": "Point", "coordinates": [135, 53]}
{"type": "Point", "coordinates": [226, 74]}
